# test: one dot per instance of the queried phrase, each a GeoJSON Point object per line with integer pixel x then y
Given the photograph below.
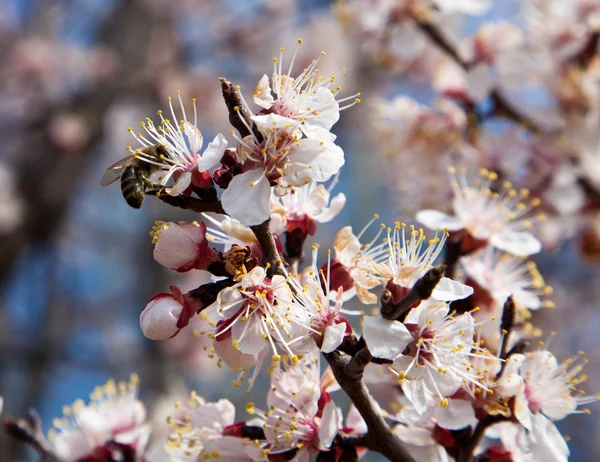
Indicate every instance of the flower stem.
{"type": "Point", "coordinates": [271, 258]}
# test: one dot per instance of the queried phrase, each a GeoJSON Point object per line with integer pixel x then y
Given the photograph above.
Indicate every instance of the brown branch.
{"type": "Point", "coordinates": [379, 437]}
{"type": "Point", "coordinates": [271, 258]}
{"type": "Point", "coordinates": [502, 108]}
{"type": "Point", "coordinates": [422, 290]}
{"type": "Point", "coordinates": [506, 326]}
{"type": "Point", "coordinates": [28, 430]}
{"type": "Point", "coordinates": [188, 203]}
{"type": "Point", "coordinates": [239, 113]}
{"type": "Point", "coordinates": [467, 453]}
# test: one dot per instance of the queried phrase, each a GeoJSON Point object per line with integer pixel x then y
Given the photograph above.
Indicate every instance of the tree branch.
{"type": "Point", "coordinates": [188, 203]}
{"type": "Point", "coordinates": [502, 108]}
{"type": "Point", "coordinates": [379, 437]}
{"type": "Point", "coordinates": [28, 430]}
{"type": "Point", "coordinates": [271, 258]}
{"type": "Point", "coordinates": [422, 290]}
{"type": "Point", "coordinates": [467, 453]}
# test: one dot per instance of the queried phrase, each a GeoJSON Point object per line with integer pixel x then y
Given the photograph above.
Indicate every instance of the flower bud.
{"type": "Point", "coordinates": [159, 319]}
{"type": "Point", "coordinates": [222, 177]}
{"type": "Point", "coordinates": [182, 246]}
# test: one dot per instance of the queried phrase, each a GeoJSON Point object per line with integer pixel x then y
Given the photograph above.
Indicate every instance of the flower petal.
{"type": "Point", "coordinates": [434, 219]}
{"type": "Point", "coordinates": [328, 427]}
{"type": "Point", "coordinates": [183, 182]}
{"type": "Point", "coordinates": [213, 153]}
{"type": "Point", "coordinates": [386, 339]}
{"type": "Point", "coordinates": [333, 337]}
{"type": "Point", "coordinates": [247, 198]}
{"type": "Point", "coordinates": [520, 243]}
{"type": "Point", "coordinates": [262, 93]}
{"type": "Point", "coordinates": [458, 414]}
{"type": "Point", "coordinates": [448, 290]}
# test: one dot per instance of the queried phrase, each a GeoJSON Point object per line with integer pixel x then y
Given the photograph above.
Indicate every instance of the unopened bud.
{"type": "Point", "coordinates": [159, 319]}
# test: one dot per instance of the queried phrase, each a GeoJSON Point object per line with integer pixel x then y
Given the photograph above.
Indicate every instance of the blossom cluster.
{"type": "Point", "coordinates": [448, 335]}
{"type": "Point", "coordinates": [550, 143]}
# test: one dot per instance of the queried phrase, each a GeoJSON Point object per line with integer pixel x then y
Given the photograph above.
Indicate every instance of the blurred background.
{"type": "Point", "coordinates": [76, 266]}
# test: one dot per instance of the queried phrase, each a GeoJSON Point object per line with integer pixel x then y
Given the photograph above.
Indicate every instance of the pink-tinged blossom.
{"type": "Point", "coordinates": [309, 98]}
{"type": "Point", "coordinates": [280, 156]}
{"type": "Point", "coordinates": [410, 255]}
{"type": "Point", "coordinates": [487, 216]}
{"type": "Point", "coordinates": [298, 416]}
{"type": "Point", "coordinates": [544, 391]}
{"type": "Point", "coordinates": [203, 430]}
{"type": "Point", "coordinates": [431, 351]}
{"type": "Point", "coordinates": [501, 275]}
{"type": "Point", "coordinates": [354, 267]}
{"type": "Point", "coordinates": [426, 435]}
{"type": "Point", "coordinates": [182, 246]}
{"type": "Point", "coordinates": [166, 314]}
{"type": "Point", "coordinates": [307, 206]}
{"type": "Point", "coordinates": [254, 317]}
{"type": "Point", "coordinates": [183, 142]}
{"type": "Point", "coordinates": [328, 326]}
{"type": "Point", "coordinates": [113, 422]}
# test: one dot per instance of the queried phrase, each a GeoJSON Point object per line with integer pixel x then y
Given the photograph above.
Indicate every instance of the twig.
{"type": "Point", "coordinates": [28, 430]}
{"type": "Point", "coordinates": [271, 258]}
{"type": "Point", "coordinates": [188, 203]}
{"type": "Point", "coordinates": [379, 437]}
{"type": "Point", "coordinates": [502, 108]}
{"type": "Point", "coordinates": [422, 290]}
{"type": "Point", "coordinates": [508, 322]}
{"type": "Point", "coordinates": [239, 113]}
{"type": "Point", "coordinates": [467, 452]}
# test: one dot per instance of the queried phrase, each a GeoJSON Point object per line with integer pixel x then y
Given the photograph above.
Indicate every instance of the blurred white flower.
{"type": "Point", "coordinates": [113, 421]}
{"type": "Point", "coordinates": [499, 218]}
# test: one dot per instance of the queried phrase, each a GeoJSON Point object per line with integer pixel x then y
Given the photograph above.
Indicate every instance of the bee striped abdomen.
{"type": "Point", "coordinates": [132, 186]}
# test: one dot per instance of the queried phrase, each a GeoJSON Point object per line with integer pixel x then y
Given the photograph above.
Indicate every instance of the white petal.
{"type": "Point", "coordinates": [519, 243]}
{"type": "Point", "coordinates": [329, 425]}
{"type": "Point", "coordinates": [213, 153]}
{"type": "Point", "coordinates": [335, 207]}
{"type": "Point", "coordinates": [233, 357]}
{"type": "Point", "coordinates": [183, 182]}
{"type": "Point", "coordinates": [194, 137]}
{"type": "Point", "coordinates": [386, 339]}
{"type": "Point", "coordinates": [327, 163]}
{"type": "Point", "coordinates": [448, 290]}
{"type": "Point", "coordinates": [262, 93]}
{"type": "Point", "coordinates": [315, 132]}
{"type": "Point", "coordinates": [471, 7]}
{"type": "Point", "coordinates": [246, 203]}
{"type": "Point", "coordinates": [458, 414]}
{"type": "Point", "coordinates": [325, 103]}
{"type": "Point", "coordinates": [268, 121]}
{"type": "Point", "coordinates": [249, 335]}
{"type": "Point", "coordinates": [417, 436]}
{"type": "Point", "coordinates": [548, 444]}
{"type": "Point", "coordinates": [333, 337]}
{"type": "Point", "coordinates": [434, 219]}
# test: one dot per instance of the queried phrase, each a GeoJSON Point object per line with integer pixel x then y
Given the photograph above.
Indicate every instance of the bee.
{"type": "Point", "coordinates": [135, 174]}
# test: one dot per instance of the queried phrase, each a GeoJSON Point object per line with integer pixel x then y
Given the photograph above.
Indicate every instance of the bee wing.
{"type": "Point", "coordinates": [113, 173]}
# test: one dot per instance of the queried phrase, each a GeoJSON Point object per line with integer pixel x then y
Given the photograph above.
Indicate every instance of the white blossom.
{"type": "Point", "coordinates": [114, 415]}
{"type": "Point", "coordinates": [499, 218]}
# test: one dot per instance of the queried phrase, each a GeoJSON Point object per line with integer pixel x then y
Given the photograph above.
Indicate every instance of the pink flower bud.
{"type": "Point", "coordinates": [182, 246]}
{"type": "Point", "coordinates": [159, 319]}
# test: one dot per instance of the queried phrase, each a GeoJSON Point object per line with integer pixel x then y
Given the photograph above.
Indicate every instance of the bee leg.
{"type": "Point", "coordinates": [156, 190]}
{"type": "Point", "coordinates": [149, 184]}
